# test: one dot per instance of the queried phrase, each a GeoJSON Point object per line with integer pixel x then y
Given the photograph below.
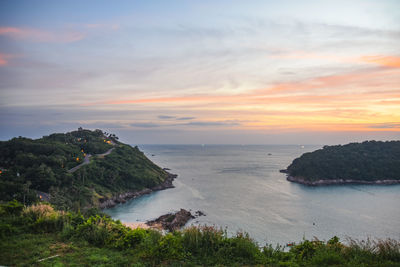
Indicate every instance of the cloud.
{"type": "Point", "coordinates": [165, 117]}
{"type": "Point", "coordinates": [385, 126]}
{"type": "Point", "coordinates": [342, 84]}
{"type": "Point", "coordinates": [186, 124]}
{"type": "Point", "coordinates": [212, 123]}
{"type": "Point", "coordinates": [385, 61]}
{"type": "Point", "coordinates": [42, 36]}
{"type": "Point", "coordinates": [390, 61]}
{"type": "Point", "coordinates": [104, 26]}
{"type": "Point", "coordinates": [145, 125]}
{"type": "Point", "coordinates": [103, 125]}
{"type": "Point", "coordinates": [186, 118]}
{"type": "Point", "coordinates": [4, 59]}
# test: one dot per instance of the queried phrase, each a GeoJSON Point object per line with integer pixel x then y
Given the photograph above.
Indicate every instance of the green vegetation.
{"type": "Point", "coordinates": [367, 161]}
{"type": "Point", "coordinates": [38, 235]}
{"type": "Point", "coordinates": [62, 233]}
{"type": "Point", "coordinates": [31, 167]}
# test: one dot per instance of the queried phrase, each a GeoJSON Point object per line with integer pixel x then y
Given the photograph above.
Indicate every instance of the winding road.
{"type": "Point", "coordinates": [87, 160]}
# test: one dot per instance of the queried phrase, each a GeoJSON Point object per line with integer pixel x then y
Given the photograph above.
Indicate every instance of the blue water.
{"type": "Point", "coordinates": [240, 189]}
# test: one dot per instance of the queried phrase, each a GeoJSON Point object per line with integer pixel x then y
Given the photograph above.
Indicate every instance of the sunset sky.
{"type": "Point", "coordinates": [212, 72]}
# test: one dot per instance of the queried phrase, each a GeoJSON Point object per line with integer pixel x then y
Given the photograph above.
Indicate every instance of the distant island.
{"type": "Point", "coordinates": [370, 162]}
{"type": "Point", "coordinates": [77, 170]}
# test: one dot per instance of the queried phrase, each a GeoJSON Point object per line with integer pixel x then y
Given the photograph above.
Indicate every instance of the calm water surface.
{"type": "Point", "coordinates": [240, 188]}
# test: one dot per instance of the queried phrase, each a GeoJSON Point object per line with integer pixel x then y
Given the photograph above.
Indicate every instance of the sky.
{"type": "Point", "coordinates": [202, 72]}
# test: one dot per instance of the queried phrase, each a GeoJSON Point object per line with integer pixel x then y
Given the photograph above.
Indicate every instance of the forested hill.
{"type": "Point", "coordinates": [367, 162]}
{"type": "Point", "coordinates": [42, 168]}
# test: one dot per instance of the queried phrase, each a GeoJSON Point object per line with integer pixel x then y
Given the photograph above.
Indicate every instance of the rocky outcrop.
{"type": "Point", "coordinates": [122, 198]}
{"type": "Point", "coordinates": [171, 221]}
{"type": "Point", "coordinates": [322, 182]}
{"type": "Point", "coordinates": [199, 213]}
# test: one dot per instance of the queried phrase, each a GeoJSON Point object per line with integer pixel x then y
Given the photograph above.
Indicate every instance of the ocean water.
{"type": "Point", "coordinates": [239, 188]}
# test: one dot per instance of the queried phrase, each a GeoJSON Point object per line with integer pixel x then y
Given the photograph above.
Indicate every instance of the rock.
{"type": "Point", "coordinates": [172, 221]}
{"type": "Point", "coordinates": [105, 203]}
{"type": "Point", "coordinates": [199, 213]}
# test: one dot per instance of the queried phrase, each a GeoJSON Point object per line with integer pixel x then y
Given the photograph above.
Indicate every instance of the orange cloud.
{"type": "Point", "coordinates": [385, 61]}
{"type": "Point", "coordinates": [356, 79]}
{"type": "Point", "coordinates": [381, 60]}
{"type": "Point", "coordinates": [345, 102]}
{"type": "Point", "coordinates": [314, 90]}
{"type": "Point", "coordinates": [36, 35]}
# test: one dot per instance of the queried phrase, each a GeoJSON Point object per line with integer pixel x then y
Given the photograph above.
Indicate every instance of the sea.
{"type": "Point", "coordinates": [240, 189]}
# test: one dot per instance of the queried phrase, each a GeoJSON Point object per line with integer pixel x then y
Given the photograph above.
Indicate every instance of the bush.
{"type": "Point", "coordinates": [327, 257]}
{"type": "Point", "coordinates": [94, 231]}
{"type": "Point", "coordinates": [51, 223]}
{"type": "Point", "coordinates": [202, 241]}
{"type": "Point", "coordinates": [133, 238]}
{"type": "Point", "coordinates": [170, 247]}
{"type": "Point", "coordinates": [102, 231]}
{"type": "Point", "coordinates": [306, 249]}
{"type": "Point", "coordinates": [388, 249]}
{"type": "Point", "coordinates": [12, 208]}
{"type": "Point", "coordinates": [67, 231]}
{"type": "Point", "coordinates": [241, 249]}
{"type": "Point", "coordinates": [44, 218]}
{"type": "Point", "coordinates": [6, 230]}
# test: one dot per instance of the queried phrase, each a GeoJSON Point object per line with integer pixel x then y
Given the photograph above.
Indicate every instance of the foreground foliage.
{"type": "Point", "coordinates": [38, 235]}
{"type": "Point", "coordinates": [369, 161]}
{"type": "Point", "coordinates": [31, 168]}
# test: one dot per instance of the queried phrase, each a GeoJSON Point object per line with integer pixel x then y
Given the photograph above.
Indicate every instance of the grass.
{"type": "Point", "coordinates": [39, 233]}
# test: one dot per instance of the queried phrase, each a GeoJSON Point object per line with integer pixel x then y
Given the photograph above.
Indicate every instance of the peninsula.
{"type": "Point", "coordinates": [370, 162]}
{"type": "Point", "coordinates": [77, 170]}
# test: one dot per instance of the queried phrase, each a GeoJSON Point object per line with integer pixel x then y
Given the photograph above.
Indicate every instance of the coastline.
{"type": "Point", "coordinates": [124, 197]}
{"type": "Point", "coordinates": [322, 182]}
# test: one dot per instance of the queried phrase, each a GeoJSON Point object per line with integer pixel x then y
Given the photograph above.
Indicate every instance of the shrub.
{"type": "Point", "coordinates": [170, 247]}
{"type": "Point", "coordinates": [133, 238]}
{"type": "Point", "coordinates": [44, 218]}
{"type": "Point", "coordinates": [67, 231]}
{"type": "Point", "coordinates": [388, 249]}
{"type": "Point", "coordinates": [38, 211]}
{"type": "Point", "coordinates": [204, 240]}
{"type": "Point", "coordinates": [241, 249]}
{"type": "Point", "coordinates": [6, 229]}
{"type": "Point", "coordinates": [326, 257]}
{"type": "Point", "coordinates": [50, 223]}
{"type": "Point", "coordinates": [12, 208]}
{"type": "Point", "coordinates": [94, 231]}
{"type": "Point", "coordinates": [306, 249]}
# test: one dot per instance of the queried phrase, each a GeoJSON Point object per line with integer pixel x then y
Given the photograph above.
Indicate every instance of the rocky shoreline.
{"type": "Point", "coordinates": [106, 203]}
{"type": "Point", "coordinates": [174, 221]}
{"type": "Point", "coordinates": [171, 221]}
{"type": "Point", "coordinates": [323, 182]}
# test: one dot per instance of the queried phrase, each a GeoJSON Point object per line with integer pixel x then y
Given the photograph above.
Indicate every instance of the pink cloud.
{"type": "Point", "coordinates": [41, 36]}
{"type": "Point", "coordinates": [4, 59]}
